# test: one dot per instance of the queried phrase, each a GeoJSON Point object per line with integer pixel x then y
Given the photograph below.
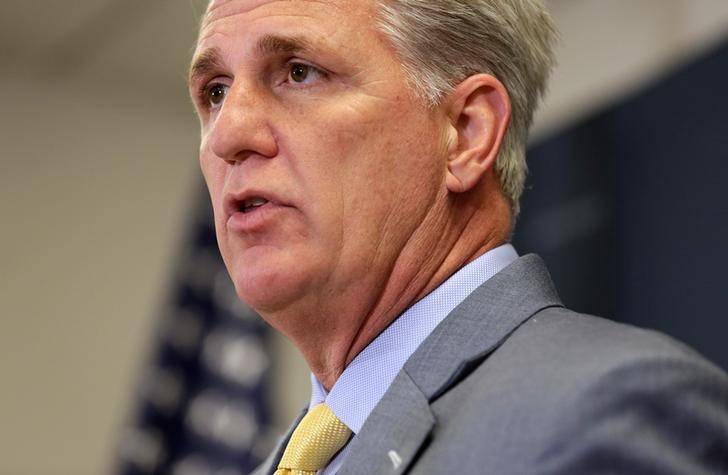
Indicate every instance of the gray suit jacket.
{"type": "Point", "coordinates": [511, 382]}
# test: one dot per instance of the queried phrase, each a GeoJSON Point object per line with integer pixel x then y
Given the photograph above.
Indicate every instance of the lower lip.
{"type": "Point", "coordinates": [253, 220]}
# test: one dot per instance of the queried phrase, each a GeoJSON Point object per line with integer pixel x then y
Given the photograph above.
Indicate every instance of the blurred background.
{"type": "Point", "coordinates": [122, 347]}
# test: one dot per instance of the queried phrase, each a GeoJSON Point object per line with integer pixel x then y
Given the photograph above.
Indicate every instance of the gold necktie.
{"type": "Point", "coordinates": [317, 438]}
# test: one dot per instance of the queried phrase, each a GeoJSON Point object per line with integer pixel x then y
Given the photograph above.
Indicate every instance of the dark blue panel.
{"type": "Point", "coordinates": [629, 208]}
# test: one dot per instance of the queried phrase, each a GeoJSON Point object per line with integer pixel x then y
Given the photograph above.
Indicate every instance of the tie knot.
{"type": "Point", "coordinates": [317, 438]}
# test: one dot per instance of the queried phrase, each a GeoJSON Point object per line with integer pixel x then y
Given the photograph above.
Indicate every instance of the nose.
{"type": "Point", "coordinates": [242, 127]}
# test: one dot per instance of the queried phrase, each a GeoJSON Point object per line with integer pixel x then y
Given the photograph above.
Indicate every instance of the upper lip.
{"type": "Point", "coordinates": [234, 201]}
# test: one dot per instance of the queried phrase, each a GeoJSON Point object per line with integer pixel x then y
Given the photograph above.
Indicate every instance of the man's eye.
{"type": "Point", "coordinates": [300, 72]}
{"type": "Point", "coordinates": [215, 94]}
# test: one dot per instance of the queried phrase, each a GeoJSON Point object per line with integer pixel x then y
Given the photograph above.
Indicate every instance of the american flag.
{"type": "Point", "coordinates": [201, 405]}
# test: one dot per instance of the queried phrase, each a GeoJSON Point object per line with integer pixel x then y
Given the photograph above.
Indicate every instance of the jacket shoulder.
{"type": "Point", "coordinates": [572, 393]}
{"type": "Point", "coordinates": [585, 346]}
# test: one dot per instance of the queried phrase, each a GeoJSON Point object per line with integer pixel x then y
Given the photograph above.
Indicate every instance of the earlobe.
{"type": "Point", "coordinates": [479, 114]}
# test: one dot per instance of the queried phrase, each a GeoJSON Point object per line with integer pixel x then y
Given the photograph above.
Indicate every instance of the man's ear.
{"type": "Point", "coordinates": [479, 110]}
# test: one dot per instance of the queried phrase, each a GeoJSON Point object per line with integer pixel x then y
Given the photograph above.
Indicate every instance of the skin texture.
{"type": "Point", "coordinates": [373, 199]}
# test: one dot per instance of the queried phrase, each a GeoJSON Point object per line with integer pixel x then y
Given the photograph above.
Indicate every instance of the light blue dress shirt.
{"type": "Point", "coordinates": [369, 375]}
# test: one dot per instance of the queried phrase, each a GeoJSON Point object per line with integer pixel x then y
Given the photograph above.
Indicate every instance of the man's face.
{"type": "Point", "coordinates": [320, 165]}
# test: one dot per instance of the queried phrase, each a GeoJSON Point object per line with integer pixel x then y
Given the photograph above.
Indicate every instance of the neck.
{"type": "Point", "coordinates": [466, 227]}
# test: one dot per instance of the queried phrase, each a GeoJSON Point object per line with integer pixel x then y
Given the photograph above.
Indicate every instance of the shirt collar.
{"type": "Point", "coordinates": [369, 375]}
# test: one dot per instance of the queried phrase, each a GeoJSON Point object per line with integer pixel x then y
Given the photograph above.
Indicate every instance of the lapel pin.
{"type": "Point", "coordinates": [395, 459]}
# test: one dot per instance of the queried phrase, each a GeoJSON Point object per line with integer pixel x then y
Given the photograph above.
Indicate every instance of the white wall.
{"type": "Point", "coordinates": [94, 190]}
{"type": "Point", "coordinates": [609, 48]}
{"type": "Point", "coordinates": [97, 173]}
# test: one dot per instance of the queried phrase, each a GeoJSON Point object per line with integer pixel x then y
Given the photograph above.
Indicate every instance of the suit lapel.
{"type": "Point", "coordinates": [393, 433]}
{"type": "Point", "coordinates": [402, 421]}
{"type": "Point", "coordinates": [480, 324]}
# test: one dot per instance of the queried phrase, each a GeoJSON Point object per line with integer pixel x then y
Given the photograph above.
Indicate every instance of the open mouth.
{"type": "Point", "coordinates": [251, 204]}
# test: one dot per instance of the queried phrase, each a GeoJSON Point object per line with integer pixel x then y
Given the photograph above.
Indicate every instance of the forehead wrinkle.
{"type": "Point", "coordinates": [211, 58]}
{"type": "Point", "coordinates": [223, 8]}
{"type": "Point", "coordinates": [208, 29]}
{"type": "Point", "coordinates": [272, 43]}
{"type": "Point", "coordinates": [220, 9]}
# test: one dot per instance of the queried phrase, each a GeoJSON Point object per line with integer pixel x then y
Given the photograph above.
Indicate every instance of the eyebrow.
{"type": "Point", "coordinates": [274, 44]}
{"type": "Point", "coordinates": [207, 61]}
{"type": "Point", "coordinates": [211, 59]}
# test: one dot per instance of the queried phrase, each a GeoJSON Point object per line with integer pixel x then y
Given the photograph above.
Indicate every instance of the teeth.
{"type": "Point", "coordinates": [253, 202]}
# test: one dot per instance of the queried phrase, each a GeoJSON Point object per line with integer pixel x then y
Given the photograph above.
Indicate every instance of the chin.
{"type": "Point", "coordinates": [268, 287]}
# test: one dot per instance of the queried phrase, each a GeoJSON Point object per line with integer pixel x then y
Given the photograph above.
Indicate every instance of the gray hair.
{"type": "Point", "coordinates": [442, 42]}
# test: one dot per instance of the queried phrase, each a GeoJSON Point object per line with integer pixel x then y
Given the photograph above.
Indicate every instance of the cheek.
{"type": "Point", "coordinates": [357, 160]}
{"type": "Point", "coordinates": [213, 172]}
{"type": "Point", "coordinates": [402, 175]}
{"type": "Point", "coordinates": [396, 158]}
